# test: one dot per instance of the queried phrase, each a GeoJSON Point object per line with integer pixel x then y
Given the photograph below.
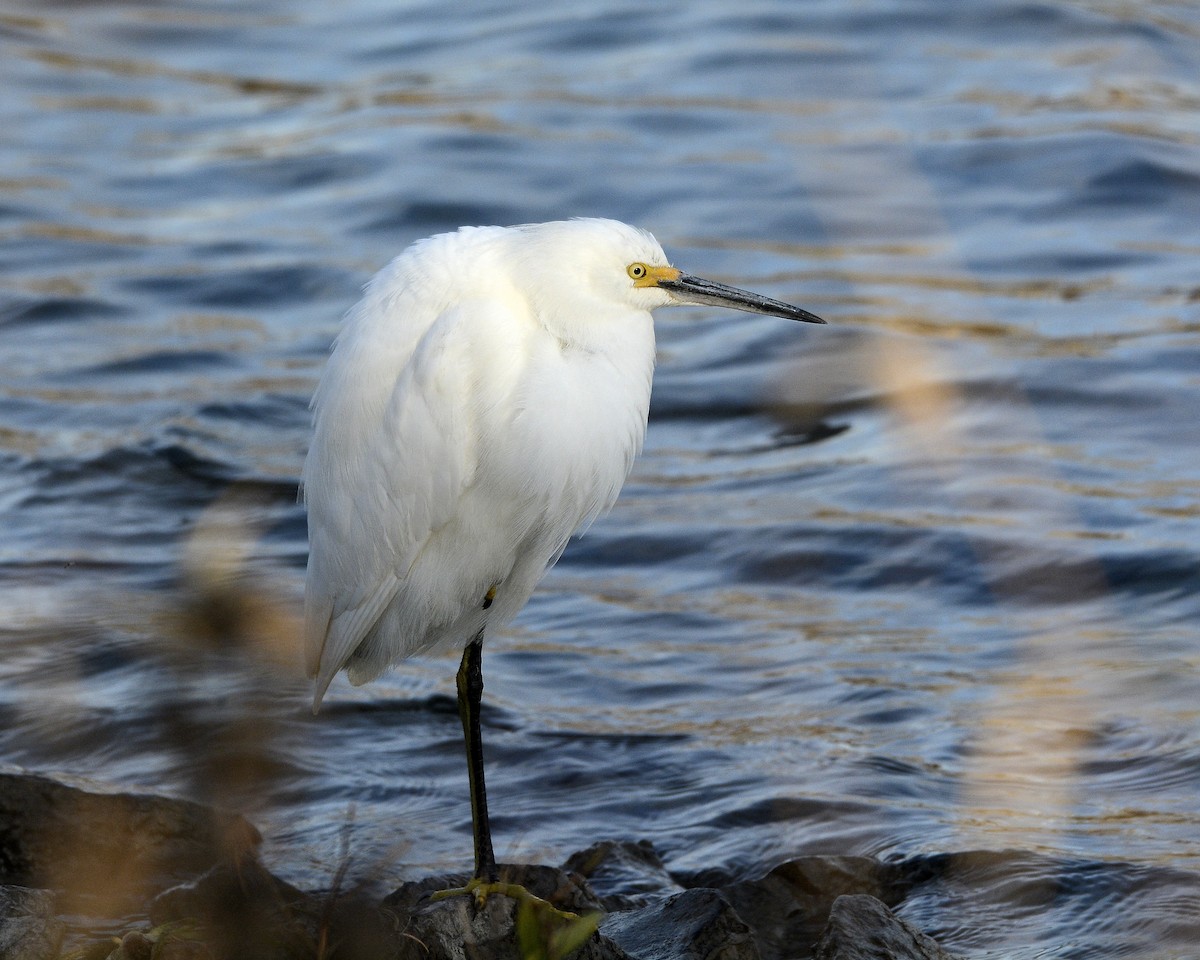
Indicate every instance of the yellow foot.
{"type": "Point", "coordinates": [481, 889]}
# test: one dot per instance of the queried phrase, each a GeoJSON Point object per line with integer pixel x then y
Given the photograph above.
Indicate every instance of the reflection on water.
{"type": "Point", "coordinates": [925, 583]}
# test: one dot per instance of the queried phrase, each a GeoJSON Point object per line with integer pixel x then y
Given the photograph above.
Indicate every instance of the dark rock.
{"type": "Point", "coordinates": [137, 946]}
{"type": "Point", "coordinates": [624, 875]}
{"type": "Point", "coordinates": [28, 928]}
{"type": "Point", "coordinates": [104, 854]}
{"type": "Point", "coordinates": [459, 928]}
{"type": "Point", "coordinates": [862, 928]}
{"type": "Point", "coordinates": [563, 889]}
{"type": "Point", "coordinates": [789, 906]}
{"type": "Point", "coordinates": [693, 925]}
{"type": "Point", "coordinates": [245, 911]}
{"type": "Point", "coordinates": [240, 897]}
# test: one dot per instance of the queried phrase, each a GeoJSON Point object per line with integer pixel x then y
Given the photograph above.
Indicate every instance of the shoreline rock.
{"type": "Point", "coordinates": [29, 930]}
{"type": "Point", "coordinates": [179, 881]}
{"type": "Point", "coordinates": [108, 853]}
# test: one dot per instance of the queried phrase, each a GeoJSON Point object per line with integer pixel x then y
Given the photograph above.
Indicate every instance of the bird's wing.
{"type": "Point", "coordinates": [394, 446]}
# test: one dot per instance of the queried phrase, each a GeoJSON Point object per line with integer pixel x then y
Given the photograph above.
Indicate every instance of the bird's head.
{"type": "Point", "coordinates": [613, 262]}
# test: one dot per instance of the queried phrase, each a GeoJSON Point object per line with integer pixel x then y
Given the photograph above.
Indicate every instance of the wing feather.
{"type": "Point", "coordinates": [393, 449]}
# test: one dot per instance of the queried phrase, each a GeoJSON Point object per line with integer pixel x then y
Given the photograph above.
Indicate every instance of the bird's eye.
{"type": "Point", "coordinates": [636, 270]}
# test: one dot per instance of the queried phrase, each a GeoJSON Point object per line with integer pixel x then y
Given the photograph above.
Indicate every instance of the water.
{"type": "Point", "coordinates": [923, 581]}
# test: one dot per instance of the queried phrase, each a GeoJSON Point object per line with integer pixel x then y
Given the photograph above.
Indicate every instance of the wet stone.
{"type": "Point", "coordinates": [862, 928]}
{"type": "Point", "coordinates": [28, 928]}
{"type": "Point", "coordinates": [564, 889]}
{"type": "Point", "coordinates": [459, 928]}
{"type": "Point", "coordinates": [615, 900]}
{"type": "Point", "coordinates": [105, 853]}
{"type": "Point", "coordinates": [624, 874]}
{"type": "Point", "coordinates": [694, 925]}
{"type": "Point", "coordinates": [789, 906]}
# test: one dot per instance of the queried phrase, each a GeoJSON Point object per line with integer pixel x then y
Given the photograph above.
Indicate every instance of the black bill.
{"type": "Point", "coordinates": [687, 289]}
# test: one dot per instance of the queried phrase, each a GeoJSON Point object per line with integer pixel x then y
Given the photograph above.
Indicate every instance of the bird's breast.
{"type": "Point", "coordinates": [576, 421]}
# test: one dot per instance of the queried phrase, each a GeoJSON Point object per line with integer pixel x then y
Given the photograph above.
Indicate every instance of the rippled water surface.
{"type": "Point", "coordinates": [926, 580]}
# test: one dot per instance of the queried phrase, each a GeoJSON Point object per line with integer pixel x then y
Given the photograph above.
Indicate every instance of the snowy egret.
{"type": "Point", "coordinates": [483, 402]}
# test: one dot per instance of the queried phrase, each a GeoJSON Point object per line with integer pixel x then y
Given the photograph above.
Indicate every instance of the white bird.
{"type": "Point", "coordinates": [484, 401]}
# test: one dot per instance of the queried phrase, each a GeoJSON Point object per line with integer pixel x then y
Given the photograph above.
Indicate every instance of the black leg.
{"type": "Point", "coordinates": [486, 882]}
{"type": "Point", "coordinates": [470, 692]}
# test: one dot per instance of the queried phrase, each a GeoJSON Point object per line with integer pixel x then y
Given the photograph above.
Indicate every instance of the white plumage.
{"type": "Point", "coordinates": [484, 401]}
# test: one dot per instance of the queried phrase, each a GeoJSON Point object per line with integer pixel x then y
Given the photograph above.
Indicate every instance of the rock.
{"type": "Point", "coordinates": [564, 889]}
{"type": "Point", "coordinates": [788, 907]}
{"type": "Point", "coordinates": [244, 907]}
{"type": "Point", "coordinates": [624, 875]}
{"type": "Point", "coordinates": [458, 928]}
{"type": "Point", "coordinates": [223, 889]}
{"type": "Point", "coordinates": [245, 911]}
{"type": "Point", "coordinates": [862, 928]}
{"type": "Point", "coordinates": [28, 928]}
{"type": "Point", "coordinates": [697, 924]}
{"type": "Point", "coordinates": [688, 924]}
{"type": "Point", "coordinates": [504, 927]}
{"type": "Point", "coordinates": [104, 854]}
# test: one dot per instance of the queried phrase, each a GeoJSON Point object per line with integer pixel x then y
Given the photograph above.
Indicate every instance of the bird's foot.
{"type": "Point", "coordinates": [481, 889]}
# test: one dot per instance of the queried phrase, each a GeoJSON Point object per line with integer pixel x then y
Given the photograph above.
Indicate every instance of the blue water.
{"type": "Point", "coordinates": [923, 581]}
